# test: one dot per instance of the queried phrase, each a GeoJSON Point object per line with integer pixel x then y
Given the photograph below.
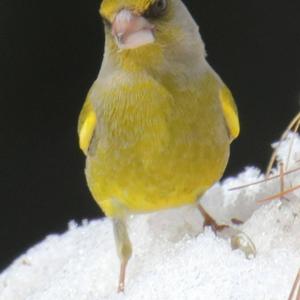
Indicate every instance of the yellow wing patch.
{"type": "Point", "coordinates": [86, 125]}
{"type": "Point", "coordinates": [230, 112]}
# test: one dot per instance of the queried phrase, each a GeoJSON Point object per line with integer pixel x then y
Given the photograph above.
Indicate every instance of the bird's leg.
{"type": "Point", "coordinates": [239, 239]}
{"type": "Point", "coordinates": [124, 249]}
{"type": "Point", "coordinates": [209, 221]}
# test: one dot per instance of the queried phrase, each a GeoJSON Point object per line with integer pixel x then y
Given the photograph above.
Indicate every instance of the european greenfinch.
{"type": "Point", "coordinates": [157, 123]}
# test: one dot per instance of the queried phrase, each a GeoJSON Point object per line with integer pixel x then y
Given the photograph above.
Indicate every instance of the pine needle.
{"type": "Point", "coordinates": [264, 180]}
{"type": "Point", "coordinates": [279, 195]}
{"type": "Point", "coordinates": [295, 289]}
{"type": "Point", "coordinates": [294, 126]}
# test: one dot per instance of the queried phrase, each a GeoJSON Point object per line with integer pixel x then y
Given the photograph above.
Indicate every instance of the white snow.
{"type": "Point", "coordinates": [173, 258]}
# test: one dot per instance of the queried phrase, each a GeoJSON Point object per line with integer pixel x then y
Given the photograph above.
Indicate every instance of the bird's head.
{"type": "Point", "coordinates": [150, 32]}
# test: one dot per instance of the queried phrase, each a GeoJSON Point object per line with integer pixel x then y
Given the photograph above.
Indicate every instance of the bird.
{"type": "Point", "coordinates": [157, 123]}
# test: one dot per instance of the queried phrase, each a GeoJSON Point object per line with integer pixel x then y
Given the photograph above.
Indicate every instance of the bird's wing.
{"type": "Point", "coordinates": [86, 125]}
{"type": "Point", "coordinates": [230, 112]}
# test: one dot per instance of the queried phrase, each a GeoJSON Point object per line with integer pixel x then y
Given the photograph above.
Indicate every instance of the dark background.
{"type": "Point", "coordinates": [50, 53]}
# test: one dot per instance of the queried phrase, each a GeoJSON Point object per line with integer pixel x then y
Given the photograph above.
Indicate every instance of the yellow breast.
{"type": "Point", "coordinates": [157, 146]}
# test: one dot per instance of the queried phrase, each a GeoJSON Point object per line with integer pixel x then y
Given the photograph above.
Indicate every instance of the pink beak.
{"type": "Point", "coordinates": [132, 31]}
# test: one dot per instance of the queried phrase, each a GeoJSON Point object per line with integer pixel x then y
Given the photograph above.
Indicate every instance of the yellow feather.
{"type": "Point", "coordinates": [230, 112]}
{"type": "Point", "coordinates": [86, 125]}
{"type": "Point", "coordinates": [159, 117]}
{"type": "Point", "coordinates": [110, 7]}
{"type": "Point", "coordinates": [159, 146]}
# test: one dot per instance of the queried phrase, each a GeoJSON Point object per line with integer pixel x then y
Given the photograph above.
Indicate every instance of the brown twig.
{"type": "Point", "coordinates": [281, 169]}
{"type": "Point", "coordinates": [295, 122]}
{"type": "Point", "coordinates": [295, 289]}
{"type": "Point", "coordinates": [264, 180]}
{"type": "Point", "coordinates": [291, 144]}
{"type": "Point", "coordinates": [279, 195]}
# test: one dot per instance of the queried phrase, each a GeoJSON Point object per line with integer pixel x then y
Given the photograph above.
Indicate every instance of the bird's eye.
{"type": "Point", "coordinates": [157, 9]}
{"type": "Point", "coordinates": [160, 5]}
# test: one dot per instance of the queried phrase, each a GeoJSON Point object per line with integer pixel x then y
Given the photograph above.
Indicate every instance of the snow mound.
{"type": "Point", "coordinates": [172, 257]}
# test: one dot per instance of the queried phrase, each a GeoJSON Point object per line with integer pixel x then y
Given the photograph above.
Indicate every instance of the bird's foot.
{"type": "Point", "coordinates": [210, 221]}
{"type": "Point", "coordinates": [214, 225]}
{"type": "Point", "coordinates": [239, 239]}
